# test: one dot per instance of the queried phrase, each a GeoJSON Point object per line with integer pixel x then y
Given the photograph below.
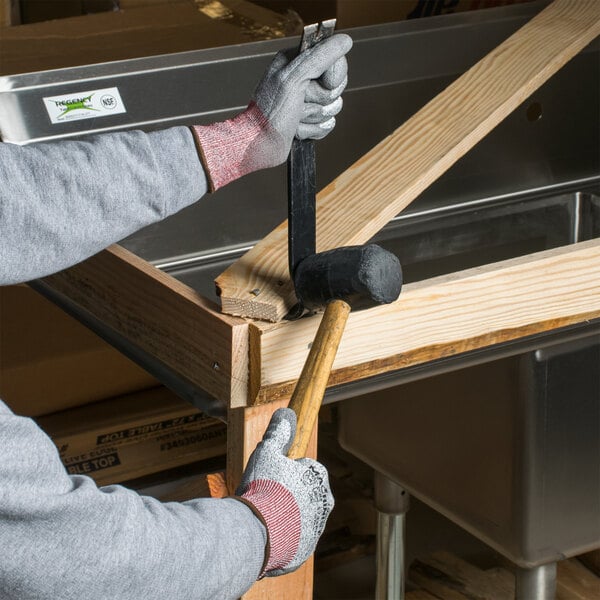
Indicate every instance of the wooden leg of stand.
{"type": "Point", "coordinates": [245, 430]}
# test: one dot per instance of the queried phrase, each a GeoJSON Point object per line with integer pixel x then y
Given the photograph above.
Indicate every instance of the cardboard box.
{"type": "Point", "coordinates": [134, 435]}
{"type": "Point", "coordinates": [135, 33]}
{"type": "Point", "coordinates": [50, 362]}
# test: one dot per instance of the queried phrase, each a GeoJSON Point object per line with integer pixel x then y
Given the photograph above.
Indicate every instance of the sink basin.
{"type": "Point", "coordinates": [455, 237]}
{"type": "Point", "coordinates": [508, 449]}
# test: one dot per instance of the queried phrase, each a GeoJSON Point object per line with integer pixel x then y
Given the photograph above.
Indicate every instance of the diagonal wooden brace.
{"type": "Point", "coordinates": [358, 203]}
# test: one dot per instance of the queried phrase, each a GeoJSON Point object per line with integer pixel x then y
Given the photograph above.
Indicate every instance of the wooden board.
{"type": "Point", "coordinates": [377, 187]}
{"type": "Point", "coordinates": [440, 317]}
{"type": "Point", "coordinates": [246, 428]}
{"type": "Point", "coordinates": [575, 582]}
{"type": "Point", "coordinates": [447, 577]}
{"type": "Point", "coordinates": [164, 317]}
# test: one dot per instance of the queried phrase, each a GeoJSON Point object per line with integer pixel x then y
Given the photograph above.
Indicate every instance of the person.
{"type": "Point", "coordinates": [62, 537]}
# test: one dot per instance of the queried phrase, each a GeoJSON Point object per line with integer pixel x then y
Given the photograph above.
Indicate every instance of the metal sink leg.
{"type": "Point", "coordinates": [391, 502]}
{"type": "Point", "coordinates": [538, 583]}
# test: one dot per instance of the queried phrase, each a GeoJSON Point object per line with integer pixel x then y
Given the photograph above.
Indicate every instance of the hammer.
{"type": "Point", "coordinates": [339, 280]}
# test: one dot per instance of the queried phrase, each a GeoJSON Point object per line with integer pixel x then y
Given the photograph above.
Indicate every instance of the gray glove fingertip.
{"type": "Point", "coordinates": [281, 430]}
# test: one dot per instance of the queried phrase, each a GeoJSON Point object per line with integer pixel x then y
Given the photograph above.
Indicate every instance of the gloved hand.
{"type": "Point", "coordinates": [291, 497]}
{"type": "Point", "coordinates": [298, 97]}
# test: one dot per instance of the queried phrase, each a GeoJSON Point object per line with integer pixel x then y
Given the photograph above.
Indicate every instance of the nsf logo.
{"type": "Point", "coordinates": [108, 101]}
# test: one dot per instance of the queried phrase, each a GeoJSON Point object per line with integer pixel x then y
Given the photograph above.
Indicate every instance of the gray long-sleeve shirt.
{"type": "Point", "coordinates": [62, 537]}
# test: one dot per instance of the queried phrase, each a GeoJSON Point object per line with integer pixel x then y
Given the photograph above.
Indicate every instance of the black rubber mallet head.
{"type": "Point", "coordinates": [340, 280]}
{"type": "Point", "coordinates": [361, 276]}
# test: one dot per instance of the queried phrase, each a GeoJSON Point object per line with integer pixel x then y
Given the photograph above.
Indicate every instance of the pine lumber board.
{"type": "Point", "coordinates": [163, 317]}
{"type": "Point", "coordinates": [358, 203]}
{"type": "Point", "coordinates": [439, 317]}
{"type": "Point", "coordinates": [295, 586]}
{"type": "Point", "coordinates": [246, 427]}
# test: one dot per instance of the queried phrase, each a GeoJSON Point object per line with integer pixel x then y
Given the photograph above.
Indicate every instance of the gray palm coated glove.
{"type": "Point", "coordinates": [291, 497]}
{"type": "Point", "coordinates": [298, 97]}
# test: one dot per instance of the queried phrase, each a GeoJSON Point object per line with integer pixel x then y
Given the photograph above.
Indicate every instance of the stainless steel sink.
{"type": "Point", "coordinates": [508, 448]}
{"type": "Point", "coordinates": [455, 236]}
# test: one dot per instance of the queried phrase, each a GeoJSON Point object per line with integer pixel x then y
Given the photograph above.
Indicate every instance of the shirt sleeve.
{"type": "Point", "coordinates": [63, 537]}
{"type": "Point", "coordinates": [61, 202]}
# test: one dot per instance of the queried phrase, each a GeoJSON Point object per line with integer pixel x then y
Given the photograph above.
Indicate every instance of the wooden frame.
{"type": "Point", "coordinates": [243, 363]}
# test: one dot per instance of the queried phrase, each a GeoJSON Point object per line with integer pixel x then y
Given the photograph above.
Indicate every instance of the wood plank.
{"type": "Point", "coordinates": [378, 186]}
{"type": "Point", "coordinates": [164, 317]}
{"type": "Point", "coordinates": [468, 579]}
{"type": "Point", "coordinates": [438, 584]}
{"type": "Point", "coordinates": [591, 560]}
{"type": "Point", "coordinates": [245, 430]}
{"type": "Point", "coordinates": [446, 576]}
{"type": "Point", "coordinates": [575, 582]}
{"type": "Point", "coordinates": [441, 317]}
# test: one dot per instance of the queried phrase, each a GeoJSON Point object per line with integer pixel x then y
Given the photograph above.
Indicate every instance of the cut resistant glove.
{"type": "Point", "coordinates": [296, 97]}
{"type": "Point", "coordinates": [291, 497]}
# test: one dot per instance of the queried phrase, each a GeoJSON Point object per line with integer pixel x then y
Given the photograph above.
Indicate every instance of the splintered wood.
{"type": "Point", "coordinates": [371, 192]}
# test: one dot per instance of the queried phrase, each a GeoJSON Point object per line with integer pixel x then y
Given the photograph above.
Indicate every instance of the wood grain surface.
{"type": "Point", "coordinates": [441, 317]}
{"type": "Point", "coordinates": [309, 390]}
{"type": "Point", "coordinates": [246, 427]}
{"type": "Point", "coordinates": [400, 167]}
{"type": "Point", "coordinates": [164, 317]}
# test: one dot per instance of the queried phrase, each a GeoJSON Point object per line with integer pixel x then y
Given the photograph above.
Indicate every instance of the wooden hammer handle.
{"type": "Point", "coordinates": [309, 391]}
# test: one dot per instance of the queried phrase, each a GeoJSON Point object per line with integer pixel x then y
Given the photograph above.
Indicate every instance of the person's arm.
{"type": "Point", "coordinates": [63, 537]}
{"type": "Point", "coordinates": [61, 202]}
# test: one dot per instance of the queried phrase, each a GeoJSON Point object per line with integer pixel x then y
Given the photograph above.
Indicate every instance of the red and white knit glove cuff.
{"type": "Point", "coordinates": [281, 515]}
{"type": "Point", "coordinates": [223, 146]}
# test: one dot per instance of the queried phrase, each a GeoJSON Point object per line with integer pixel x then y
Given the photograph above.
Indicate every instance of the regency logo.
{"type": "Point", "coordinates": [88, 104]}
{"type": "Point", "coordinates": [74, 104]}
